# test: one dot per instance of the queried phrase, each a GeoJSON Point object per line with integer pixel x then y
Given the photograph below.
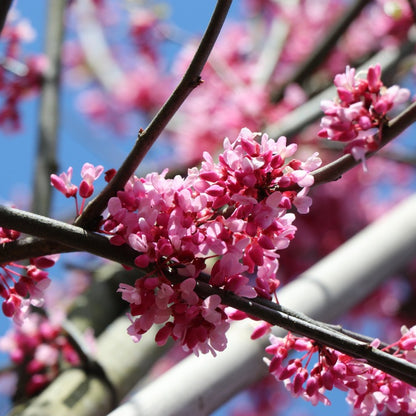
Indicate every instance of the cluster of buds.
{"type": "Point", "coordinates": [233, 214]}
{"type": "Point", "coordinates": [360, 110]}
{"type": "Point", "coordinates": [370, 390]}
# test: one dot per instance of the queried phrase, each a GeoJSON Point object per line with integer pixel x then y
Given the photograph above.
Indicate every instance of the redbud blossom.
{"type": "Point", "coordinates": [360, 110]}
{"type": "Point", "coordinates": [370, 391]}
{"type": "Point", "coordinates": [89, 173]}
{"type": "Point", "coordinates": [63, 183]}
{"type": "Point", "coordinates": [21, 285]}
{"type": "Point", "coordinates": [232, 211]}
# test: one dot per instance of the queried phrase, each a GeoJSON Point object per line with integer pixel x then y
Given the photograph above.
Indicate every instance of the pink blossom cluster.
{"type": "Point", "coordinates": [39, 349]}
{"type": "Point", "coordinates": [89, 174]}
{"type": "Point", "coordinates": [22, 285]}
{"type": "Point", "coordinates": [360, 110]}
{"type": "Point", "coordinates": [20, 76]}
{"type": "Point", "coordinates": [232, 214]}
{"type": "Point", "coordinates": [370, 390]}
{"type": "Point", "coordinates": [199, 325]}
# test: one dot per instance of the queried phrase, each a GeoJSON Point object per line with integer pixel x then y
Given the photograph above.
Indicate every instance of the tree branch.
{"type": "Point", "coordinates": [307, 327]}
{"type": "Point", "coordinates": [66, 237]}
{"type": "Point", "coordinates": [147, 137]}
{"type": "Point", "coordinates": [49, 110]}
{"type": "Point", "coordinates": [321, 52]}
{"type": "Point", "coordinates": [4, 10]}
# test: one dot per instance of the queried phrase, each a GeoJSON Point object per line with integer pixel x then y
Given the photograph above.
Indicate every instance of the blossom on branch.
{"type": "Point", "coordinates": [24, 285]}
{"type": "Point", "coordinates": [63, 183]}
{"type": "Point", "coordinates": [232, 213]}
{"type": "Point", "coordinates": [360, 110]}
{"type": "Point", "coordinates": [370, 390]}
{"type": "Point", "coordinates": [89, 174]}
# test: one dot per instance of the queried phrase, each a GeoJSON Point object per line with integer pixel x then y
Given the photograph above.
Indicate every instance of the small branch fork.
{"type": "Point", "coordinates": [79, 239]}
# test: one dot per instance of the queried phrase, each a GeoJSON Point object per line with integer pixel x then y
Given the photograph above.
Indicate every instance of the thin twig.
{"type": "Point", "coordinates": [322, 334]}
{"type": "Point", "coordinates": [147, 137]}
{"type": "Point", "coordinates": [49, 110]}
{"type": "Point", "coordinates": [324, 48]}
{"type": "Point", "coordinates": [389, 154]}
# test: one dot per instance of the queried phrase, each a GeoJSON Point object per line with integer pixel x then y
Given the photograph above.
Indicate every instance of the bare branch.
{"type": "Point", "coordinates": [147, 137]}
{"type": "Point", "coordinates": [4, 10]}
{"type": "Point", "coordinates": [65, 235]}
{"type": "Point", "coordinates": [49, 110]}
{"type": "Point", "coordinates": [321, 52]}
{"type": "Point", "coordinates": [323, 334]}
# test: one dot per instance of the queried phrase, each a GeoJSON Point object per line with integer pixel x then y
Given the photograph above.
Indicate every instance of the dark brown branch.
{"type": "Point", "coordinates": [284, 318]}
{"type": "Point", "coordinates": [318, 56]}
{"type": "Point", "coordinates": [49, 110]}
{"type": "Point", "coordinates": [4, 10]}
{"type": "Point", "coordinates": [398, 156]}
{"type": "Point", "coordinates": [66, 237]}
{"type": "Point", "coordinates": [147, 137]}
{"type": "Point", "coordinates": [30, 247]}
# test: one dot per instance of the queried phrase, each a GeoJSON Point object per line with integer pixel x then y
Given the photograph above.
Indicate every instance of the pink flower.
{"type": "Point", "coordinates": [63, 183]}
{"type": "Point", "coordinates": [370, 391]}
{"type": "Point", "coordinates": [360, 110]}
{"type": "Point", "coordinates": [89, 173]}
